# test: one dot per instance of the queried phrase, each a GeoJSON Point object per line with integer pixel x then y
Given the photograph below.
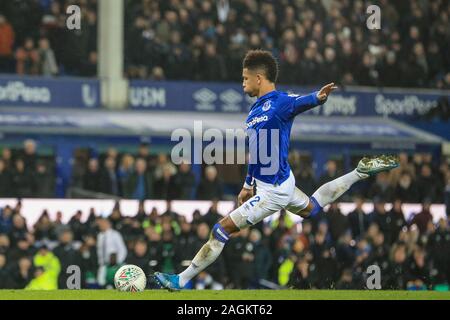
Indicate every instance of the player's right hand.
{"type": "Point", "coordinates": [244, 195]}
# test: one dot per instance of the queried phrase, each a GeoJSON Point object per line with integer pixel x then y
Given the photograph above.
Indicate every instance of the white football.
{"type": "Point", "coordinates": [130, 278]}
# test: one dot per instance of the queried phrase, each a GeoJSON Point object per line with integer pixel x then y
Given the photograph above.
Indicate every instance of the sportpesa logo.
{"type": "Point", "coordinates": [257, 120]}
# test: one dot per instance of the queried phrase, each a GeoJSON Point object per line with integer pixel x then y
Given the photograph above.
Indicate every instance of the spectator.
{"type": "Point", "coordinates": [44, 229]}
{"type": "Point", "coordinates": [418, 276]}
{"type": "Point", "coordinates": [186, 241]}
{"type": "Point", "coordinates": [262, 258]}
{"type": "Point", "coordinates": [91, 179]}
{"type": "Point", "coordinates": [331, 172]}
{"type": "Point", "coordinates": [109, 243]}
{"type": "Point", "coordinates": [358, 220]}
{"type": "Point", "coordinates": [140, 256]}
{"type": "Point", "coordinates": [379, 254]}
{"type": "Point", "coordinates": [68, 255]}
{"type": "Point", "coordinates": [139, 184]}
{"type": "Point", "coordinates": [4, 279]}
{"type": "Point", "coordinates": [210, 187]}
{"type": "Point", "coordinates": [7, 38]}
{"type": "Point", "coordinates": [125, 170]}
{"type": "Point", "coordinates": [397, 220]}
{"type": "Point", "coordinates": [89, 68]}
{"type": "Point", "coordinates": [438, 248]}
{"type": "Point", "coordinates": [5, 180]}
{"type": "Point", "coordinates": [381, 188]}
{"type": "Point", "coordinates": [47, 60]}
{"type": "Point", "coordinates": [427, 187]}
{"type": "Point", "coordinates": [7, 158]}
{"type": "Point", "coordinates": [89, 261]}
{"type": "Point", "coordinates": [346, 281]}
{"type": "Point", "coordinates": [212, 216]}
{"type": "Point", "coordinates": [47, 270]}
{"type": "Point", "coordinates": [337, 221]}
{"type": "Point", "coordinates": [44, 182]}
{"type": "Point", "coordinates": [406, 189]}
{"type": "Point", "coordinates": [423, 217]}
{"type": "Point", "coordinates": [382, 218]}
{"type": "Point", "coordinates": [239, 259]}
{"type": "Point", "coordinates": [21, 273]}
{"type": "Point", "coordinates": [77, 227]}
{"type": "Point", "coordinates": [109, 180]}
{"type": "Point", "coordinates": [27, 58]}
{"type": "Point", "coordinates": [141, 214]}
{"type": "Point", "coordinates": [301, 277]}
{"type": "Point", "coordinates": [18, 230]}
{"type": "Point", "coordinates": [183, 182]}
{"type": "Point", "coordinates": [345, 252]}
{"type": "Point", "coordinates": [6, 219]}
{"type": "Point", "coordinates": [21, 249]}
{"type": "Point", "coordinates": [164, 186]}
{"type": "Point", "coordinates": [22, 180]}
{"type": "Point", "coordinates": [305, 181]}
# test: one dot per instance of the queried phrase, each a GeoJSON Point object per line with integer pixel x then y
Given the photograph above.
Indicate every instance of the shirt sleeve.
{"type": "Point", "coordinates": [248, 184]}
{"type": "Point", "coordinates": [297, 104]}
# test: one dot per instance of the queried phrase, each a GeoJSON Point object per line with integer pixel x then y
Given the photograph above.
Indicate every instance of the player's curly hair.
{"type": "Point", "coordinates": [261, 59]}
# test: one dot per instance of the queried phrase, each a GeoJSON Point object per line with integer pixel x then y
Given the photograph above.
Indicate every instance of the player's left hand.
{"type": "Point", "coordinates": [244, 195]}
{"type": "Point", "coordinates": [325, 91]}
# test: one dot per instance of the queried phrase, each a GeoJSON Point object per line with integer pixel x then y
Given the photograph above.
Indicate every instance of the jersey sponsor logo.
{"type": "Point", "coordinates": [257, 120]}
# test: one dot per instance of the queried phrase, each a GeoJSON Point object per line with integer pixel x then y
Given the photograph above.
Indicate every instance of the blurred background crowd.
{"type": "Point", "coordinates": [315, 40]}
{"type": "Point", "coordinates": [331, 251]}
{"type": "Point", "coordinates": [143, 174]}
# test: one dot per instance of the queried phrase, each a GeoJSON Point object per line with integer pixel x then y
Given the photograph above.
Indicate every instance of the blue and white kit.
{"type": "Point", "coordinates": [275, 190]}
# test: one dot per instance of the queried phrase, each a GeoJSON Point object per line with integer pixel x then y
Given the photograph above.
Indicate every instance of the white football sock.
{"type": "Point", "coordinates": [207, 255]}
{"type": "Point", "coordinates": [332, 190]}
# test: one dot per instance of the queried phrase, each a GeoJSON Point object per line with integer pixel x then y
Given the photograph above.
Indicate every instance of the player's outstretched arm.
{"type": "Point", "coordinates": [323, 93]}
{"type": "Point", "coordinates": [300, 104]}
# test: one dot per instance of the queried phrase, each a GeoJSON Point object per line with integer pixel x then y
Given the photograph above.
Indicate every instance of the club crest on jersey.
{"type": "Point", "coordinates": [266, 106]}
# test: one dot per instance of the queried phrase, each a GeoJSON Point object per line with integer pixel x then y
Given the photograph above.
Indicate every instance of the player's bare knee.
{"type": "Point", "coordinates": [228, 225]}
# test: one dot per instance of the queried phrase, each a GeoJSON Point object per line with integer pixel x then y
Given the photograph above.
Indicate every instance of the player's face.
{"type": "Point", "coordinates": [250, 82]}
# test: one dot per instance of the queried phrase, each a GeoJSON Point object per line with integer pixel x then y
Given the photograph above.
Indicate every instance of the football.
{"type": "Point", "coordinates": [130, 278]}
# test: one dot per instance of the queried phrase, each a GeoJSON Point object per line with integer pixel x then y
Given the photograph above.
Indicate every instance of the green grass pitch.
{"type": "Point", "coordinates": [223, 295]}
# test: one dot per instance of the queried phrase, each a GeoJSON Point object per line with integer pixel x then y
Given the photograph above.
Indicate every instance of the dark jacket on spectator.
{"type": "Point", "coordinates": [109, 183]}
{"type": "Point", "coordinates": [22, 184]}
{"type": "Point", "coordinates": [359, 222]}
{"type": "Point", "coordinates": [208, 190]}
{"type": "Point", "coordinates": [132, 183]}
{"type": "Point", "coordinates": [183, 184]}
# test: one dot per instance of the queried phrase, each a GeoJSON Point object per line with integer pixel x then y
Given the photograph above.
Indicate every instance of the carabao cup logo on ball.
{"type": "Point", "coordinates": [130, 278]}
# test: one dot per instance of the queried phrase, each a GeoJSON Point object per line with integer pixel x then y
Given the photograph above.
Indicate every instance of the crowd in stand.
{"type": "Point", "coordinates": [24, 173]}
{"type": "Point", "coordinates": [145, 176]}
{"type": "Point", "coordinates": [315, 41]}
{"type": "Point", "coordinates": [330, 251]}
{"type": "Point", "coordinates": [148, 175]}
{"type": "Point", "coordinates": [35, 40]}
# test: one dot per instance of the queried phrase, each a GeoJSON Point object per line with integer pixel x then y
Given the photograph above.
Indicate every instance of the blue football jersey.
{"type": "Point", "coordinates": [269, 126]}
